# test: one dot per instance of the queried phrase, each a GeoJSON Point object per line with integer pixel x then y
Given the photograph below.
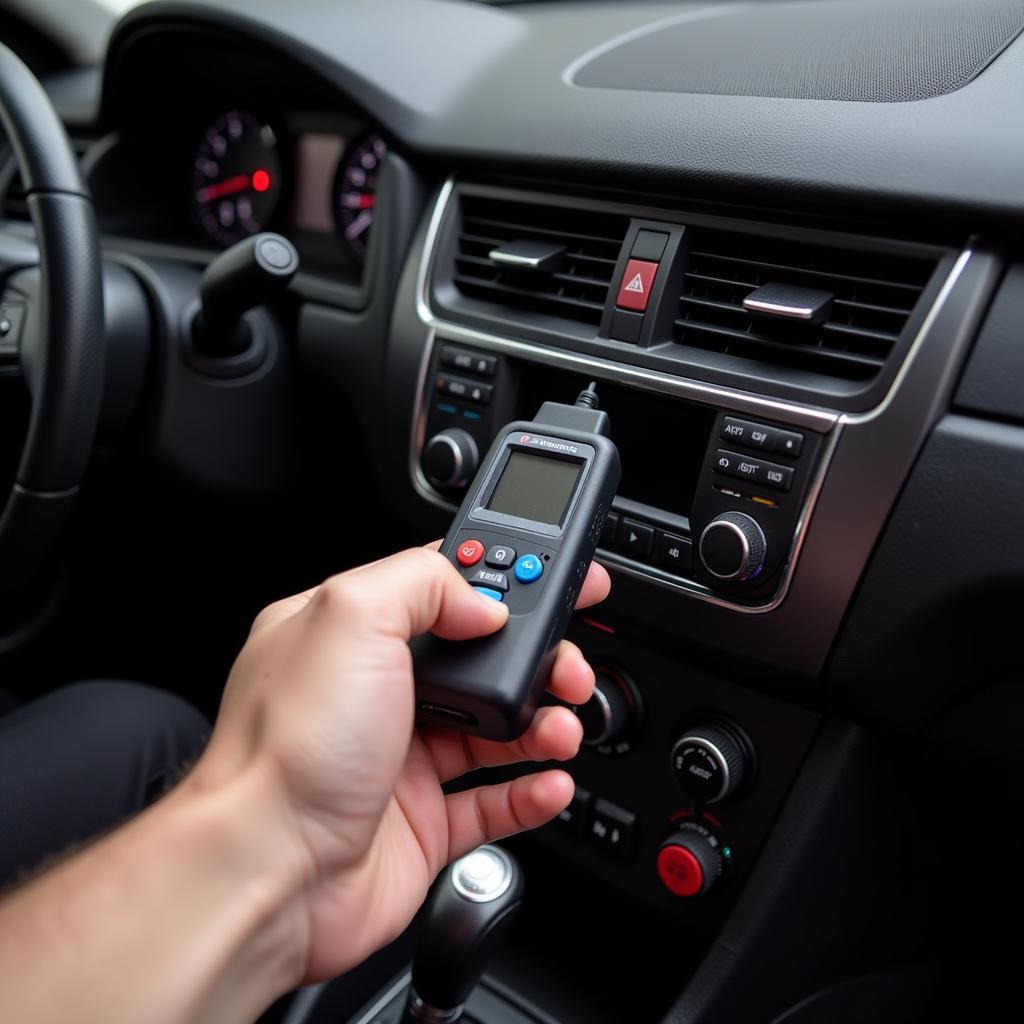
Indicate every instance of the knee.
{"type": "Point", "coordinates": [144, 714]}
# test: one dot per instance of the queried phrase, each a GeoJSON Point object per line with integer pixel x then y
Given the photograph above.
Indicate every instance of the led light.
{"type": "Point", "coordinates": [260, 180]}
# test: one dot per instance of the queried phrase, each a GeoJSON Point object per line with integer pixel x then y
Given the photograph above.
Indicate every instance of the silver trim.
{"type": "Point", "coordinates": [777, 309]}
{"type": "Point", "coordinates": [483, 897]}
{"type": "Point", "coordinates": [819, 420]}
{"type": "Point", "coordinates": [715, 751]}
{"type": "Point", "coordinates": [744, 560]}
{"type": "Point", "coordinates": [606, 709]}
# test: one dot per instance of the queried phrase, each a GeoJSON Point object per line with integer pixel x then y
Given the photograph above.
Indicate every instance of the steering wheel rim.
{"type": "Point", "coordinates": [67, 380]}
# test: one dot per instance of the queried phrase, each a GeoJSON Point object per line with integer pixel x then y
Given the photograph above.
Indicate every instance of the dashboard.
{"type": "Point", "coordinates": [783, 238]}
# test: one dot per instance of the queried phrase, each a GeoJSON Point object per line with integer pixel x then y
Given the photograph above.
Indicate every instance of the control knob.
{"type": "Point", "coordinates": [709, 763]}
{"type": "Point", "coordinates": [608, 715]}
{"type": "Point", "coordinates": [733, 547]}
{"type": "Point", "coordinates": [450, 458]}
{"type": "Point", "coordinates": [689, 861]}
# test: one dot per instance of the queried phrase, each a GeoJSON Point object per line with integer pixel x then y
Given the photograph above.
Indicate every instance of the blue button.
{"type": "Point", "coordinates": [529, 568]}
{"type": "Point", "coordinates": [487, 592]}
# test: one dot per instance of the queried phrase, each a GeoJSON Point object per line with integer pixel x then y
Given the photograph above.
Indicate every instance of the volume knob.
{"type": "Point", "coordinates": [709, 763]}
{"type": "Point", "coordinates": [450, 458]}
{"type": "Point", "coordinates": [732, 547]}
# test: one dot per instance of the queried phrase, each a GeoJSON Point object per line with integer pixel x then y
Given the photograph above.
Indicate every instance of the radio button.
{"type": "Point", "coordinates": [460, 359]}
{"type": "Point", "coordinates": [488, 578]}
{"type": "Point", "coordinates": [672, 553]}
{"type": "Point", "coordinates": [751, 435]}
{"type": "Point", "coordinates": [635, 539]}
{"type": "Point", "coordinates": [779, 477]}
{"type": "Point", "coordinates": [787, 442]}
{"type": "Point", "coordinates": [737, 465]}
{"type": "Point", "coordinates": [469, 553]}
{"type": "Point", "coordinates": [528, 569]}
{"type": "Point", "coordinates": [494, 595]}
{"type": "Point", "coordinates": [500, 557]}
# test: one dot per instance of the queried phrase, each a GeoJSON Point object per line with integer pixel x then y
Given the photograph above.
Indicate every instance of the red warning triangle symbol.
{"type": "Point", "coordinates": [636, 285]}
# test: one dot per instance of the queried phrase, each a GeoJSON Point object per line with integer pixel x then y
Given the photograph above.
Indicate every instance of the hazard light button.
{"type": "Point", "coordinates": [636, 285]}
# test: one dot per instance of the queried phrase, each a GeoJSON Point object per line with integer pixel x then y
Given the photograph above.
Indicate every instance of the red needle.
{"type": "Point", "coordinates": [238, 183]}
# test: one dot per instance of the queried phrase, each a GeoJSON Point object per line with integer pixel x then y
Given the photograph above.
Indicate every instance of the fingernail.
{"type": "Point", "coordinates": [491, 603]}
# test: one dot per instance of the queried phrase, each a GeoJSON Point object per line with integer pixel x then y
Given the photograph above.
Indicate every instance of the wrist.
{"type": "Point", "coordinates": [245, 823]}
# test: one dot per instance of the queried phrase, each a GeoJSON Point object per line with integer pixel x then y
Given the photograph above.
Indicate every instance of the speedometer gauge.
{"type": "Point", "coordinates": [236, 178]}
{"type": "Point", "coordinates": [355, 192]}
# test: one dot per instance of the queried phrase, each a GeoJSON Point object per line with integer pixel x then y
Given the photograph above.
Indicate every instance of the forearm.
{"type": "Point", "coordinates": [189, 913]}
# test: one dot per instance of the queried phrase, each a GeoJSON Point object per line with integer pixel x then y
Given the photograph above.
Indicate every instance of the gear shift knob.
{"type": "Point", "coordinates": [468, 910]}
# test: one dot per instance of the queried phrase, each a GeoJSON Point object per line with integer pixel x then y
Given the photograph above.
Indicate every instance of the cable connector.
{"type": "Point", "coordinates": [583, 415]}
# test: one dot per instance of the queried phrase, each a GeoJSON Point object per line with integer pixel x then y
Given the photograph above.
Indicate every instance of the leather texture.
{"type": "Point", "coordinates": [68, 316]}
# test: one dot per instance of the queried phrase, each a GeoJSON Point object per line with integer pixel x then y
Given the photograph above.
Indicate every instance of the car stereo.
{"type": "Point", "coordinates": [713, 499]}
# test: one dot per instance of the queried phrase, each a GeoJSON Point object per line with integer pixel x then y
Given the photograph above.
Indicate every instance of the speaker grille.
{"type": "Point", "coordinates": [868, 52]}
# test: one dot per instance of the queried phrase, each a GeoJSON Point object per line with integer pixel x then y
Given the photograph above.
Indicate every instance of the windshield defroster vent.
{"type": "Point", "coordinates": [872, 297]}
{"type": "Point", "coordinates": [572, 287]}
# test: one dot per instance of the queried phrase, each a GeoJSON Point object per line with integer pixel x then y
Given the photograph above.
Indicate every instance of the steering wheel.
{"type": "Point", "coordinates": [59, 291]}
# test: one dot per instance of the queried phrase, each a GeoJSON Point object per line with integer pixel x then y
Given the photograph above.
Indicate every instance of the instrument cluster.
{"type": "Point", "coordinates": [309, 179]}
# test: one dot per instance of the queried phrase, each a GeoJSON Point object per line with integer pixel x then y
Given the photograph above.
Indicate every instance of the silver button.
{"type": "Point", "coordinates": [483, 875]}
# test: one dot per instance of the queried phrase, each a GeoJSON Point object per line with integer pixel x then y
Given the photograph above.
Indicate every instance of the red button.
{"type": "Point", "coordinates": [470, 552]}
{"type": "Point", "coordinates": [636, 285]}
{"type": "Point", "coordinates": [679, 871]}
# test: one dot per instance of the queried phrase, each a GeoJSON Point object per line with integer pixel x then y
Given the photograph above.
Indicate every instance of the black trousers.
{"type": "Point", "coordinates": [79, 761]}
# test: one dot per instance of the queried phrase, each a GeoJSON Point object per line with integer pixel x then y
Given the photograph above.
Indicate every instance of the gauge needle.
{"type": "Point", "coordinates": [359, 225]}
{"type": "Point", "coordinates": [359, 201]}
{"type": "Point", "coordinates": [239, 183]}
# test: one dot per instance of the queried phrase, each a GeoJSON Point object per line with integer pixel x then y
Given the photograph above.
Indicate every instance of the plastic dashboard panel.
{"type": "Point", "coordinates": [440, 77]}
{"type": "Point", "coordinates": [872, 455]}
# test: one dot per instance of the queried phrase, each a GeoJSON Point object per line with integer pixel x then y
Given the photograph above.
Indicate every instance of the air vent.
{"type": "Point", "coordinates": [578, 291]}
{"type": "Point", "coordinates": [874, 295]}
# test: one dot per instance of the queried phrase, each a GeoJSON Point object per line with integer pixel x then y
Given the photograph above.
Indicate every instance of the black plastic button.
{"type": "Point", "coordinates": [787, 442]}
{"type": "Point", "coordinates": [626, 326]}
{"type": "Point", "coordinates": [649, 245]}
{"type": "Point", "coordinates": [750, 435]}
{"type": "Point", "coordinates": [672, 552]}
{"type": "Point", "coordinates": [576, 817]}
{"type": "Point", "coordinates": [489, 578]}
{"type": "Point", "coordinates": [741, 466]}
{"type": "Point", "coordinates": [780, 478]}
{"type": "Point", "coordinates": [468, 390]}
{"type": "Point", "coordinates": [610, 530]}
{"type": "Point", "coordinates": [612, 827]}
{"type": "Point", "coordinates": [460, 359]}
{"type": "Point", "coordinates": [500, 557]}
{"type": "Point", "coordinates": [635, 539]}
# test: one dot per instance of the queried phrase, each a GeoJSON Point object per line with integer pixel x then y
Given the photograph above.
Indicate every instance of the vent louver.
{"type": "Point", "coordinates": [875, 295]}
{"type": "Point", "coordinates": [578, 291]}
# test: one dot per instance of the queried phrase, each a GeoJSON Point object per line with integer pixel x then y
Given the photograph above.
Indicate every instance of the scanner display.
{"type": "Point", "coordinates": [535, 487]}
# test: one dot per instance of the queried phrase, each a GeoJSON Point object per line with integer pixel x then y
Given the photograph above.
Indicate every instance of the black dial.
{"type": "Point", "coordinates": [733, 547]}
{"type": "Point", "coordinates": [236, 178]}
{"type": "Point", "coordinates": [355, 192]}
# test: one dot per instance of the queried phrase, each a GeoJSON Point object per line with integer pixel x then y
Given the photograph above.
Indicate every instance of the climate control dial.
{"type": "Point", "coordinates": [690, 861]}
{"type": "Point", "coordinates": [450, 458]}
{"type": "Point", "coordinates": [733, 547]}
{"type": "Point", "coordinates": [709, 763]}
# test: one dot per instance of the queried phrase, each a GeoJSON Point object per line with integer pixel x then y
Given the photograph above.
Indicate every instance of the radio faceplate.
{"type": "Point", "coordinates": [714, 500]}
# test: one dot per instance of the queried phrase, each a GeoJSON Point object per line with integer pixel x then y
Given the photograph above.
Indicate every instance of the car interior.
{"type": "Point", "coordinates": [340, 246]}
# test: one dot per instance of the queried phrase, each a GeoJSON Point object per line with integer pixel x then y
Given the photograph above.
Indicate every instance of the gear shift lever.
{"type": "Point", "coordinates": [470, 907]}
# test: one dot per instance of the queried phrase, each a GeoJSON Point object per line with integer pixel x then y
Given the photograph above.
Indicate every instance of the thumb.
{"type": "Point", "coordinates": [416, 591]}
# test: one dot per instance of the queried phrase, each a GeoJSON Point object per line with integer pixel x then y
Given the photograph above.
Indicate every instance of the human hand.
{"type": "Point", "coordinates": [320, 704]}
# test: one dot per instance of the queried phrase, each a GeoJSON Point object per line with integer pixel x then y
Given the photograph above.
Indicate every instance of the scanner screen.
{"type": "Point", "coordinates": [535, 487]}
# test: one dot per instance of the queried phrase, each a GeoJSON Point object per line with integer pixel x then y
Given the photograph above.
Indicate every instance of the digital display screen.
{"type": "Point", "coordinates": [535, 487]}
{"type": "Point", "coordinates": [316, 161]}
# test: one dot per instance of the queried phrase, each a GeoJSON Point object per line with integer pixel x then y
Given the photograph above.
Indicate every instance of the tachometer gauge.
{"type": "Point", "coordinates": [355, 192]}
{"type": "Point", "coordinates": [237, 177]}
